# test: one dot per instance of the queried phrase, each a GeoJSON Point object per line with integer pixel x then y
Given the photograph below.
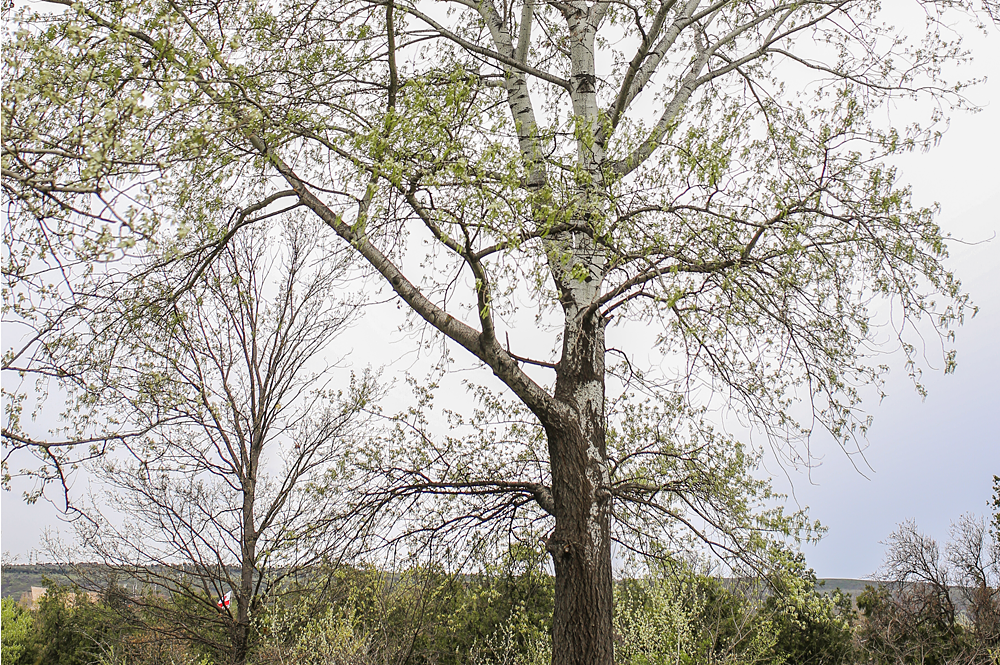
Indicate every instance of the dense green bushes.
{"type": "Point", "coordinates": [66, 629]}
{"type": "Point", "coordinates": [677, 616]}
{"type": "Point", "coordinates": [424, 616]}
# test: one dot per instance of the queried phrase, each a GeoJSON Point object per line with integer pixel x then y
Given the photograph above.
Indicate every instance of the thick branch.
{"type": "Point", "coordinates": [539, 492]}
{"type": "Point", "coordinates": [633, 83]}
{"type": "Point", "coordinates": [510, 61]}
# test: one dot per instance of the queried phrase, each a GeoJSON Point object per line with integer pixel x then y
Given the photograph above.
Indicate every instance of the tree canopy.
{"type": "Point", "coordinates": [712, 170]}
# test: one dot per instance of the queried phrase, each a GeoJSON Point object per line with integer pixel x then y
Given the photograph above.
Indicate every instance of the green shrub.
{"type": "Point", "coordinates": [813, 628]}
{"type": "Point", "coordinates": [674, 616]}
{"type": "Point", "coordinates": [18, 626]}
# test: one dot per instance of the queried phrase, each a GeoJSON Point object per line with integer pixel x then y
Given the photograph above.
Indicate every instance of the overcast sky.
{"type": "Point", "coordinates": [930, 459]}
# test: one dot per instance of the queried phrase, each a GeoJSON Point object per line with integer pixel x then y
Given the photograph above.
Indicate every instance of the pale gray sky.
{"type": "Point", "coordinates": [933, 459]}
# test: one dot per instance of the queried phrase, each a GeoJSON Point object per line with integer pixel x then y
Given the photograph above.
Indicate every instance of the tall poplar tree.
{"type": "Point", "coordinates": [714, 170]}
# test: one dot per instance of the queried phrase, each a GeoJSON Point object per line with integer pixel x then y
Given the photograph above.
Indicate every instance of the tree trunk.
{"type": "Point", "coordinates": [240, 641]}
{"type": "Point", "coordinates": [580, 544]}
{"type": "Point", "coordinates": [248, 553]}
{"type": "Point", "coordinates": [581, 552]}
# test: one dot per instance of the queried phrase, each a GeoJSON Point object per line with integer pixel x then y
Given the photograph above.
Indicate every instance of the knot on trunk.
{"type": "Point", "coordinates": [585, 82]}
{"type": "Point", "coordinates": [559, 549]}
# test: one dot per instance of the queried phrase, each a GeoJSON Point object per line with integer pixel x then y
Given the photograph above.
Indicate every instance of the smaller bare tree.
{"type": "Point", "coordinates": [974, 554]}
{"type": "Point", "coordinates": [211, 508]}
{"type": "Point", "coordinates": [937, 605]}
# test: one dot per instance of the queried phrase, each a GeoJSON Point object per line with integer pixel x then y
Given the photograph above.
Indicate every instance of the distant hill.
{"type": "Point", "coordinates": [852, 587]}
{"type": "Point", "coordinates": [16, 579]}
